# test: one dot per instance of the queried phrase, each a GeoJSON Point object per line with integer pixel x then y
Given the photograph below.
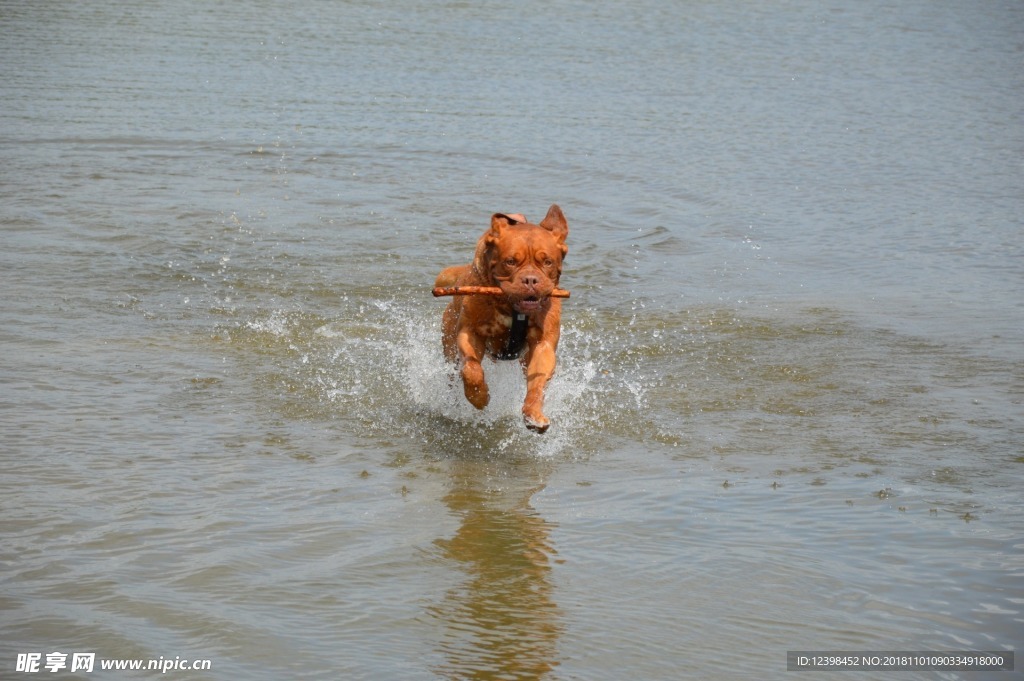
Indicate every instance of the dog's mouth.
{"type": "Point", "coordinates": [528, 304]}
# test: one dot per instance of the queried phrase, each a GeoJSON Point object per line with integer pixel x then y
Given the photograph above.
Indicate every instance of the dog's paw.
{"type": "Point", "coordinates": [477, 395]}
{"type": "Point", "coordinates": [538, 424]}
{"type": "Point", "coordinates": [474, 386]}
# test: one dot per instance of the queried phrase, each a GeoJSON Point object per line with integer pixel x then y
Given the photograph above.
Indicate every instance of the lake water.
{"type": "Point", "coordinates": [789, 413]}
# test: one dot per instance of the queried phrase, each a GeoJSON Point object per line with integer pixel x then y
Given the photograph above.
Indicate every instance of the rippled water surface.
{"type": "Point", "coordinates": [788, 413]}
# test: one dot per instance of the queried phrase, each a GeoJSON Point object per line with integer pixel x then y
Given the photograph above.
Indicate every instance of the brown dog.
{"type": "Point", "coordinates": [525, 261]}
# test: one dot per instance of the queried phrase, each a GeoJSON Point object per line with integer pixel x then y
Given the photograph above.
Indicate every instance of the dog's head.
{"type": "Point", "coordinates": [524, 259]}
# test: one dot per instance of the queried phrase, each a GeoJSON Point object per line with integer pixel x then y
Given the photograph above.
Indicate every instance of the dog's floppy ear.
{"type": "Point", "coordinates": [555, 223]}
{"type": "Point", "coordinates": [499, 222]}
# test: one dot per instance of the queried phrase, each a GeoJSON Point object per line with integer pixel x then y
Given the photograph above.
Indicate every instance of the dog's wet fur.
{"type": "Point", "coordinates": [525, 261]}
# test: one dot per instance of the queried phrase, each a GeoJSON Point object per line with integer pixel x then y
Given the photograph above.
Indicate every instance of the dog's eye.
{"type": "Point", "coordinates": [548, 262]}
{"type": "Point", "coordinates": [510, 262]}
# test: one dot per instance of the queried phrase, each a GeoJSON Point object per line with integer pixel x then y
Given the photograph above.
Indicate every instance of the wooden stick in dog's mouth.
{"type": "Point", "coordinates": [484, 291]}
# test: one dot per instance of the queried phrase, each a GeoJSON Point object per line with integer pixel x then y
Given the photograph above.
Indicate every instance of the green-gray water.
{"type": "Point", "coordinates": [788, 414]}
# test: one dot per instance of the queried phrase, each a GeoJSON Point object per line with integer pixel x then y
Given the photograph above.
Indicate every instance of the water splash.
{"type": "Point", "coordinates": [378, 367]}
{"type": "Point", "coordinates": [421, 395]}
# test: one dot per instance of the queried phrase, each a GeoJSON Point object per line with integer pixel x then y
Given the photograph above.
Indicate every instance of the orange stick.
{"type": "Point", "coordinates": [484, 291]}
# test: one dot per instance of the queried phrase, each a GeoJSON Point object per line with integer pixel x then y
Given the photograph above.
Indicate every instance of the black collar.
{"type": "Point", "coordinates": [516, 338]}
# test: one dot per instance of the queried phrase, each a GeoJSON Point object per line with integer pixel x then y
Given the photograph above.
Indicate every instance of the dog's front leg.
{"type": "Point", "coordinates": [539, 364]}
{"type": "Point", "coordinates": [471, 349]}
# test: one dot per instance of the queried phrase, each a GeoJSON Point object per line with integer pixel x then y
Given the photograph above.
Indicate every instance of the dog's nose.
{"type": "Point", "coordinates": [530, 280]}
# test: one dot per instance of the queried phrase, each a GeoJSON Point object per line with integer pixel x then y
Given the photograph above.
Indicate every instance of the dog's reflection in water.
{"type": "Point", "coordinates": [502, 622]}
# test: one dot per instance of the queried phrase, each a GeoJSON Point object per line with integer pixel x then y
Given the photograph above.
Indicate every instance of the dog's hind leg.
{"type": "Point", "coordinates": [451, 276]}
